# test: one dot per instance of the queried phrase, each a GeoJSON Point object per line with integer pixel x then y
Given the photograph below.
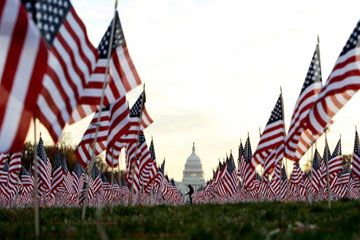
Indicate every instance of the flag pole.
{"type": "Point", "coordinates": [327, 171]}
{"type": "Point", "coordinates": [36, 180]}
{"type": "Point", "coordinates": [106, 79]}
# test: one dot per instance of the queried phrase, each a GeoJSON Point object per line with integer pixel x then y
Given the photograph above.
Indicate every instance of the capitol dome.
{"type": "Point", "coordinates": [193, 173]}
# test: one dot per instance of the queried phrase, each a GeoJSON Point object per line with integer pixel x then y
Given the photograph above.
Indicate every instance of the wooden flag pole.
{"type": "Point", "coordinates": [106, 79]}
{"type": "Point", "coordinates": [36, 180]}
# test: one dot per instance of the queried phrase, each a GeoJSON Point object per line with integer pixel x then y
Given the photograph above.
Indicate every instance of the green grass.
{"type": "Point", "coordinates": [230, 221]}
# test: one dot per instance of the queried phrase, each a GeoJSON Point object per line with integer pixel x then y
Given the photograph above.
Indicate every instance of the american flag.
{"type": "Point", "coordinates": [316, 172]}
{"type": "Point", "coordinates": [149, 169]}
{"type": "Point", "coordinates": [122, 72]}
{"type": "Point", "coordinates": [249, 171]}
{"type": "Point", "coordinates": [4, 169]}
{"type": "Point", "coordinates": [138, 160]}
{"type": "Point", "coordinates": [84, 150]}
{"type": "Point", "coordinates": [96, 176]}
{"type": "Point", "coordinates": [132, 166]}
{"type": "Point", "coordinates": [296, 174]}
{"type": "Point", "coordinates": [27, 187]}
{"type": "Point", "coordinates": [146, 120]}
{"type": "Point", "coordinates": [272, 136]}
{"type": "Point", "coordinates": [44, 170]}
{"type": "Point", "coordinates": [341, 85]}
{"type": "Point", "coordinates": [335, 161]}
{"type": "Point", "coordinates": [307, 97]}
{"type": "Point", "coordinates": [229, 179]}
{"type": "Point", "coordinates": [78, 177]}
{"type": "Point", "coordinates": [276, 179]}
{"type": "Point", "coordinates": [13, 174]}
{"type": "Point", "coordinates": [119, 125]}
{"type": "Point", "coordinates": [356, 157]}
{"type": "Point", "coordinates": [273, 158]}
{"type": "Point", "coordinates": [344, 175]}
{"type": "Point", "coordinates": [57, 174]}
{"type": "Point", "coordinates": [284, 184]}
{"type": "Point", "coordinates": [326, 157]}
{"type": "Point", "coordinates": [26, 181]}
{"type": "Point", "coordinates": [139, 120]}
{"type": "Point", "coordinates": [240, 162]}
{"type": "Point", "coordinates": [23, 58]}
{"type": "Point", "coordinates": [136, 113]}
{"type": "Point", "coordinates": [72, 59]}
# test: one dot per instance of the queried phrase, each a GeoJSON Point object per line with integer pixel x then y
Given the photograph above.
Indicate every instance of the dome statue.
{"type": "Point", "coordinates": [193, 173]}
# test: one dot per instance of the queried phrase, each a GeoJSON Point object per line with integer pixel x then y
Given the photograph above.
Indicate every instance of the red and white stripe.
{"type": "Point", "coordinates": [146, 120]}
{"type": "Point", "coordinates": [23, 58]}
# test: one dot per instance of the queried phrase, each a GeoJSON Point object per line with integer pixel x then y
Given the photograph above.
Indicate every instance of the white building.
{"type": "Point", "coordinates": [193, 173]}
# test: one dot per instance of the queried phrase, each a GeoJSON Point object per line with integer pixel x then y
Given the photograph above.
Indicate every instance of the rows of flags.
{"type": "Point", "coordinates": [344, 179]}
{"type": "Point", "coordinates": [50, 71]}
{"type": "Point", "coordinates": [59, 186]}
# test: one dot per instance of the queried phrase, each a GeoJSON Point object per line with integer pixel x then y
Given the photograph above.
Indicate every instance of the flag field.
{"type": "Point", "coordinates": [267, 220]}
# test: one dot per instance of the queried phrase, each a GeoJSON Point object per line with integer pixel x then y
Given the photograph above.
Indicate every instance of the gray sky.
{"type": "Point", "coordinates": [213, 69]}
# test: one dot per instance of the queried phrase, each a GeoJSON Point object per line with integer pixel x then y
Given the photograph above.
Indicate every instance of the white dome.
{"type": "Point", "coordinates": [193, 173]}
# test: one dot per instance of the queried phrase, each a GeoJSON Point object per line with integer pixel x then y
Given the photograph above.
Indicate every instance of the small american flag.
{"type": "Point", "coordinates": [335, 161]}
{"type": "Point", "coordinates": [356, 157]}
{"type": "Point", "coordinates": [272, 136]}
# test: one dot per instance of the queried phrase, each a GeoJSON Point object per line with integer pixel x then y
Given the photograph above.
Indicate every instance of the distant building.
{"type": "Point", "coordinates": [193, 173]}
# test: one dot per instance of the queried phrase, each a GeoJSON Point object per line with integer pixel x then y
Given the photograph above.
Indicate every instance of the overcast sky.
{"type": "Point", "coordinates": [213, 68]}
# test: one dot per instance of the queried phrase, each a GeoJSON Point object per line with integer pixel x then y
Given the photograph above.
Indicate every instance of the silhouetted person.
{"type": "Point", "coordinates": [190, 193]}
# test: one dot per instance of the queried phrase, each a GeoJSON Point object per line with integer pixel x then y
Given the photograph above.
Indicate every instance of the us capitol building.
{"type": "Point", "coordinates": [193, 173]}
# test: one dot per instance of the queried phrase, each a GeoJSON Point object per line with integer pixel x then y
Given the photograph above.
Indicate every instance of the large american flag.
{"type": "Point", "coordinates": [23, 58]}
{"type": "Point", "coordinates": [342, 84]}
{"type": "Point", "coordinates": [123, 76]}
{"type": "Point", "coordinates": [272, 136]}
{"type": "Point", "coordinates": [356, 157]}
{"type": "Point", "coordinates": [72, 59]}
{"type": "Point", "coordinates": [309, 91]}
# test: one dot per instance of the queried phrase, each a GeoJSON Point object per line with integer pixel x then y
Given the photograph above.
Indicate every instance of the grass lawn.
{"type": "Point", "coordinates": [229, 221]}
